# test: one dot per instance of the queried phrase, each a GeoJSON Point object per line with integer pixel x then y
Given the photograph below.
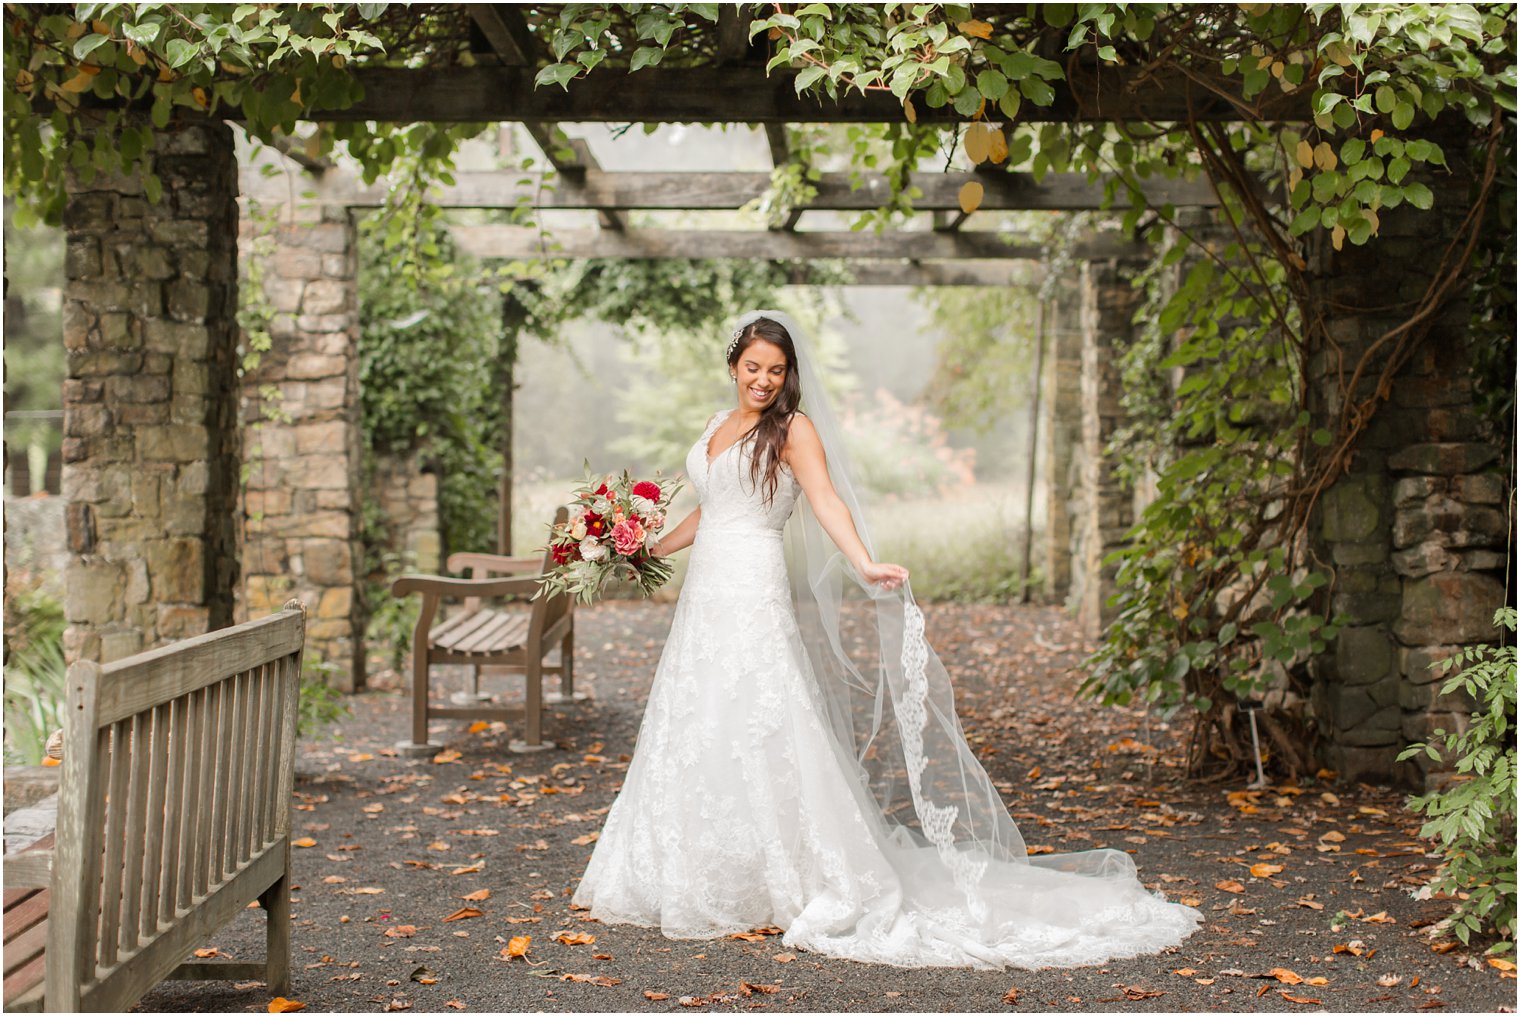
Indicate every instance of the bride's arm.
{"type": "Point", "coordinates": [680, 537]}
{"type": "Point", "coordinates": [804, 453]}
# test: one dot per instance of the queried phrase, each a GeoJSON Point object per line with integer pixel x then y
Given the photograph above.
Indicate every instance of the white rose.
{"type": "Point", "coordinates": [592, 550]}
{"type": "Point", "coordinates": [578, 529]}
{"type": "Point", "coordinates": [601, 506]}
{"type": "Point", "coordinates": [641, 505]}
{"type": "Point", "coordinates": [656, 522]}
{"type": "Point", "coordinates": [651, 538]}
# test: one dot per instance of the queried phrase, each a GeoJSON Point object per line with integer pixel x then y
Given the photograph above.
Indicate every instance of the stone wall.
{"type": "Point", "coordinates": [300, 410]}
{"type": "Point", "coordinates": [150, 444]}
{"type": "Point", "coordinates": [1107, 507]}
{"type": "Point", "coordinates": [1416, 529]}
{"type": "Point", "coordinates": [1061, 435]}
{"type": "Point", "coordinates": [408, 498]}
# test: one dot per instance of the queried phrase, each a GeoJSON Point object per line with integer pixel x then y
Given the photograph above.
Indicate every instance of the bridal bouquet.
{"type": "Point", "coordinates": [612, 524]}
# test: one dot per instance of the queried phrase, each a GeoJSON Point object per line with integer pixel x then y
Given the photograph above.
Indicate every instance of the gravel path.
{"type": "Point", "coordinates": [399, 846]}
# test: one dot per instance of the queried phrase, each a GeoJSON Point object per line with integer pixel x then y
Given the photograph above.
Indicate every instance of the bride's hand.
{"type": "Point", "coordinates": [888, 576]}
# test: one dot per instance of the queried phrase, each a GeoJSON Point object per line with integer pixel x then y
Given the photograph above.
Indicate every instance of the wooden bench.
{"type": "Point", "coordinates": [479, 636]}
{"type": "Point", "coordinates": [173, 816]}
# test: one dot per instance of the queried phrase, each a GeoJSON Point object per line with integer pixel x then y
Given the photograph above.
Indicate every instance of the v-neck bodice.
{"type": "Point", "coordinates": [729, 499]}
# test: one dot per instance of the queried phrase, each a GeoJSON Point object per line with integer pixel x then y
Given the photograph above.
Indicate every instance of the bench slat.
{"type": "Point", "coordinates": [471, 624]}
{"type": "Point", "coordinates": [483, 634]}
{"type": "Point", "coordinates": [25, 981]}
{"type": "Point", "coordinates": [454, 621]}
{"type": "Point", "coordinates": [505, 631]}
{"type": "Point", "coordinates": [139, 682]}
{"type": "Point", "coordinates": [115, 839]}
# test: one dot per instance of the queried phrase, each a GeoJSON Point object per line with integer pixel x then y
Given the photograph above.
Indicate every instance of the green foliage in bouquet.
{"type": "Point", "coordinates": [608, 518]}
{"type": "Point", "coordinates": [1474, 816]}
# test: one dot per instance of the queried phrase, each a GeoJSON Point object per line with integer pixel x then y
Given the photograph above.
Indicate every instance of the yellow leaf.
{"type": "Point", "coordinates": [24, 78]}
{"type": "Point", "coordinates": [970, 196]}
{"type": "Point", "coordinates": [1499, 964]}
{"type": "Point", "coordinates": [517, 946]}
{"type": "Point", "coordinates": [980, 29]}
{"type": "Point", "coordinates": [976, 144]}
{"type": "Point", "coordinates": [1324, 156]}
{"type": "Point", "coordinates": [912, 115]}
{"type": "Point", "coordinates": [304, 841]}
{"type": "Point", "coordinates": [201, 99]}
{"type": "Point", "coordinates": [283, 1004]}
{"type": "Point", "coordinates": [1264, 870]}
{"type": "Point", "coordinates": [999, 153]}
{"type": "Point", "coordinates": [1377, 132]}
{"type": "Point", "coordinates": [1338, 237]}
{"type": "Point", "coordinates": [79, 82]}
{"type": "Point", "coordinates": [1305, 154]}
{"type": "Point", "coordinates": [100, 28]}
{"type": "Point", "coordinates": [295, 96]}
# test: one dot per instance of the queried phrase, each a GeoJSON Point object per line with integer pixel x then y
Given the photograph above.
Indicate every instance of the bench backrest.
{"type": "Point", "coordinates": [177, 775]}
{"type": "Point", "coordinates": [558, 605]}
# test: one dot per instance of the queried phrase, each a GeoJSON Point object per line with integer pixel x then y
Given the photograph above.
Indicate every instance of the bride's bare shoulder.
{"type": "Point", "coordinates": [801, 436]}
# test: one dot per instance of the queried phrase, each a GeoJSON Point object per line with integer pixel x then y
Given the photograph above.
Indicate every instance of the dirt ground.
{"type": "Point", "coordinates": [419, 873]}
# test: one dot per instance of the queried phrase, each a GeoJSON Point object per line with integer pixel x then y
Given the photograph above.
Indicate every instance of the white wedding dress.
{"type": "Point", "coordinates": [738, 809]}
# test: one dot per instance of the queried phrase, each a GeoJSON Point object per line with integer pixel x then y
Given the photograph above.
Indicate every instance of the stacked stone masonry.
{"type": "Point", "coordinates": [1107, 507]}
{"type": "Point", "coordinates": [1416, 530]}
{"type": "Point", "coordinates": [1061, 435]}
{"type": "Point", "coordinates": [300, 412]}
{"type": "Point", "coordinates": [150, 443]}
{"type": "Point", "coordinates": [407, 498]}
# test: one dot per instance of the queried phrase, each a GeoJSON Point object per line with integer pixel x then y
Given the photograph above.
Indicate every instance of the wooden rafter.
{"type": "Point", "coordinates": [517, 242]}
{"type": "Point", "coordinates": [659, 191]}
{"type": "Point", "coordinates": [508, 36]}
{"type": "Point", "coordinates": [745, 94]}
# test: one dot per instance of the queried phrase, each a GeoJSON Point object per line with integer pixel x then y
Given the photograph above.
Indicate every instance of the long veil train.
{"type": "Point", "coordinates": [891, 710]}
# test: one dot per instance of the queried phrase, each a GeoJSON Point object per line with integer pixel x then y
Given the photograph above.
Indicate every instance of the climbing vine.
{"type": "Point", "coordinates": [1343, 111]}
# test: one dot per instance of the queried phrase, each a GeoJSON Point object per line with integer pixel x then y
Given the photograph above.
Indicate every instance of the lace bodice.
{"type": "Point", "coordinates": [729, 500]}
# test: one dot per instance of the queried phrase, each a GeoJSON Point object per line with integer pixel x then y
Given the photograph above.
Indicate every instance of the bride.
{"type": "Point", "coordinates": [800, 763]}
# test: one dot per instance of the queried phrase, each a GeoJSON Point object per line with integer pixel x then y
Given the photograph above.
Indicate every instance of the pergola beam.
{"type": "Point", "coordinates": [745, 94]}
{"type": "Point", "coordinates": [522, 242]}
{"type": "Point", "coordinates": [507, 35]}
{"type": "Point", "coordinates": [597, 189]}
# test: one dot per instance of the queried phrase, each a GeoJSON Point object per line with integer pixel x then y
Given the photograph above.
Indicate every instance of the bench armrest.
{"type": "Point", "coordinates": [442, 587]}
{"type": "Point", "coordinates": [29, 869]}
{"type": "Point", "coordinates": [482, 565]}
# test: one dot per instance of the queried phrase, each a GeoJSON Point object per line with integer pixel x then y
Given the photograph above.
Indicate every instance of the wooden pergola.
{"type": "Point", "coordinates": [151, 400]}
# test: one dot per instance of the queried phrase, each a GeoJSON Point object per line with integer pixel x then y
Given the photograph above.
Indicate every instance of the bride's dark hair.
{"type": "Point", "coordinates": [769, 435]}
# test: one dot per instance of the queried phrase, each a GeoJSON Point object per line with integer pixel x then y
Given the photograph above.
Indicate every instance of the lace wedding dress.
{"type": "Point", "coordinates": [738, 809]}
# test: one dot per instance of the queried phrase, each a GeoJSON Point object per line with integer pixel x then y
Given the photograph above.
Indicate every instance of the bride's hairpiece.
{"type": "Point", "coordinates": [728, 353]}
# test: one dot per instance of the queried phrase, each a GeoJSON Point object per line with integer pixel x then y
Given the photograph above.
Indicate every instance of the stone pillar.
{"type": "Point", "coordinates": [1106, 508]}
{"type": "Point", "coordinates": [408, 498]}
{"type": "Point", "coordinates": [1061, 433]}
{"type": "Point", "coordinates": [303, 497]}
{"type": "Point", "coordinates": [1415, 531]}
{"type": "Point", "coordinates": [150, 427]}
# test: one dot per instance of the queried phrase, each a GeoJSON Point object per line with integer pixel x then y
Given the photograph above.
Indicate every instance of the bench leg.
{"type": "Point", "coordinates": [533, 711]}
{"type": "Point", "coordinates": [419, 745]}
{"type": "Point", "coordinates": [567, 692]}
{"type": "Point", "coordinates": [276, 903]}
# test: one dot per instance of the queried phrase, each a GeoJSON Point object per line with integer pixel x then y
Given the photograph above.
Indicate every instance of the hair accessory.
{"type": "Point", "coordinates": [730, 351]}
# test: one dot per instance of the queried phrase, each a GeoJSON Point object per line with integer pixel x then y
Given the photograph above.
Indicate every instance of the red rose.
{"type": "Point", "coordinates": [646, 489]}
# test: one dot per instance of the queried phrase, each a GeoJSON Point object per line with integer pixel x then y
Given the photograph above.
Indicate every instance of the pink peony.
{"type": "Point", "coordinates": [628, 536]}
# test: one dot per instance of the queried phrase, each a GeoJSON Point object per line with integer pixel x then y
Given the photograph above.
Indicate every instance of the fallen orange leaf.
{"type": "Point", "coordinates": [463, 913]}
{"type": "Point", "coordinates": [304, 841]}
{"type": "Point", "coordinates": [517, 946]}
{"type": "Point", "coordinates": [477, 895]}
{"type": "Point", "coordinates": [283, 1004]}
{"type": "Point", "coordinates": [1230, 886]}
{"type": "Point", "coordinates": [574, 938]}
{"type": "Point", "coordinates": [1264, 870]}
